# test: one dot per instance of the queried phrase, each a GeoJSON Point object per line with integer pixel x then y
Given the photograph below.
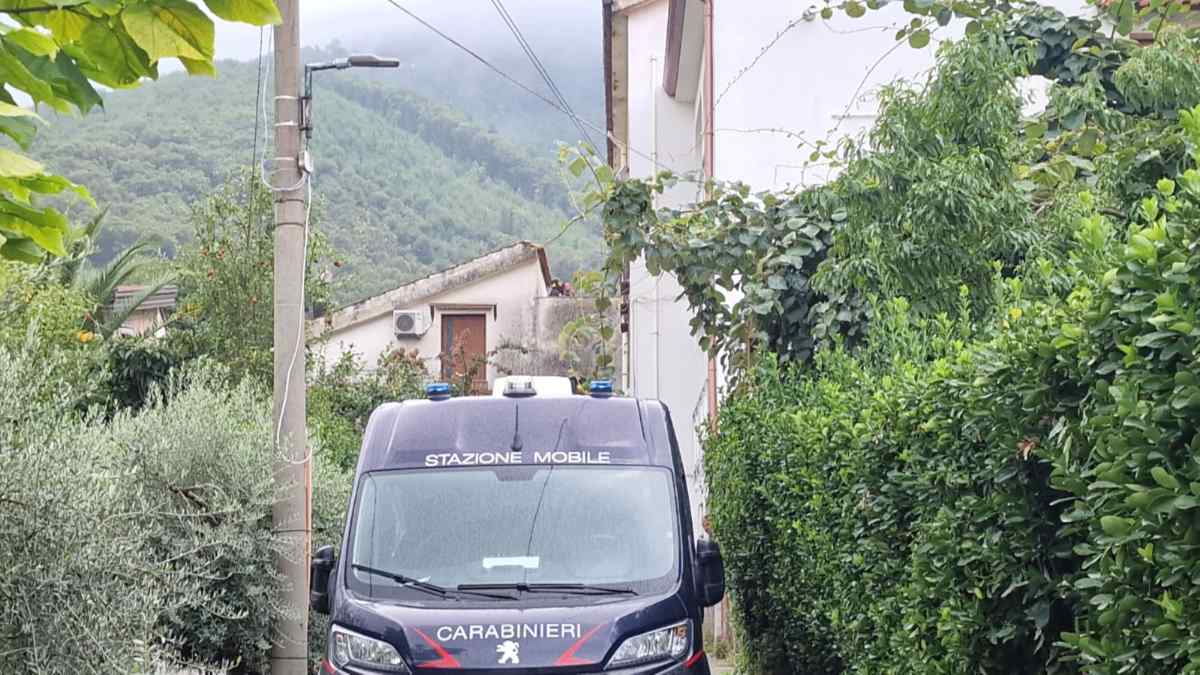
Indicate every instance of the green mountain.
{"type": "Point", "coordinates": [403, 185]}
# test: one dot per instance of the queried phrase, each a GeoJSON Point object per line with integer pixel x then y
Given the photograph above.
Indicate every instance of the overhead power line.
{"type": "Point", "coordinates": [517, 83]}
{"type": "Point", "coordinates": [258, 94]}
{"type": "Point", "coordinates": [541, 69]}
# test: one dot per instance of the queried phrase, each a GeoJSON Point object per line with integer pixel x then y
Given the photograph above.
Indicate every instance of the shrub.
{"type": "Point", "coordinates": [1020, 501]}
{"type": "Point", "coordinates": [79, 593]}
{"type": "Point", "coordinates": [140, 540]}
{"type": "Point", "coordinates": [342, 396]}
{"type": "Point", "coordinates": [202, 466]}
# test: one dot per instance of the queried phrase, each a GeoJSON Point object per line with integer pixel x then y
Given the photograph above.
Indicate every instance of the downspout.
{"type": "Point", "coordinates": [654, 205]}
{"type": "Point", "coordinates": [615, 161]}
{"type": "Point", "coordinates": [710, 147]}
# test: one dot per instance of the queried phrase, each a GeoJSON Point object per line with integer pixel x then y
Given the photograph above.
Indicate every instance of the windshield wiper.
{"type": "Point", "coordinates": [571, 589]}
{"type": "Point", "coordinates": [433, 589]}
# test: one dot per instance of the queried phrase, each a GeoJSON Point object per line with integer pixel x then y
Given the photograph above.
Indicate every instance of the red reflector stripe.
{"type": "Point", "coordinates": [695, 658]}
{"type": "Point", "coordinates": [568, 657]}
{"type": "Point", "coordinates": [328, 667]}
{"type": "Point", "coordinates": [445, 660]}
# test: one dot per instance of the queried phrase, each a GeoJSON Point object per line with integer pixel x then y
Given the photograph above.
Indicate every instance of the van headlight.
{"type": "Point", "coordinates": [348, 648]}
{"type": "Point", "coordinates": [665, 643]}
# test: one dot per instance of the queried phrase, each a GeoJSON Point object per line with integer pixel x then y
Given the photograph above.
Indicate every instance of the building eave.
{"type": "Point", "coordinates": [684, 52]}
{"type": "Point", "coordinates": [676, 13]}
{"type": "Point", "coordinates": [463, 274]}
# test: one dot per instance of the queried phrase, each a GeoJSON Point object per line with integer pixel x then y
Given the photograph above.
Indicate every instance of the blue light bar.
{"type": "Point", "coordinates": [601, 388]}
{"type": "Point", "coordinates": [438, 391]}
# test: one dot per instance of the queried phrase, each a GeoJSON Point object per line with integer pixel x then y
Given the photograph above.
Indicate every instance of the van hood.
{"type": "Point", "coordinates": [525, 639]}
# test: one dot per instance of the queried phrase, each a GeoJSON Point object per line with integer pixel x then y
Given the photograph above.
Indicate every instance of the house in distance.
{"type": "Point", "coordinates": [497, 314]}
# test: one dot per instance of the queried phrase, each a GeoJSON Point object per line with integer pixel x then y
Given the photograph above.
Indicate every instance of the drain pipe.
{"type": "Point", "coordinates": [710, 148]}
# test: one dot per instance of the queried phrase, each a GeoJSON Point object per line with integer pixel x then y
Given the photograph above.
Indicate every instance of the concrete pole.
{"type": "Point", "coordinates": [289, 655]}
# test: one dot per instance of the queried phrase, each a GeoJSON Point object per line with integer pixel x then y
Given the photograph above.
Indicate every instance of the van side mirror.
{"type": "Point", "coordinates": [322, 566]}
{"type": "Point", "coordinates": [710, 572]}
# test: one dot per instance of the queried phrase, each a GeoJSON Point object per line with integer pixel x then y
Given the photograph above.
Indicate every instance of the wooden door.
{"type": "Point", "coordinates": [464, 351]}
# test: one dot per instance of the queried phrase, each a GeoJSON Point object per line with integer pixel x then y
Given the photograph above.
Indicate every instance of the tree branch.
{"type": "Point", "coordinates": [72, 9]}
{"type": "Point", "coordinates": [43, 8]}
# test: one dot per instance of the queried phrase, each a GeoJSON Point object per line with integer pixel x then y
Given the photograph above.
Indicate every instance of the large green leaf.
{"type": "Point", "coordinates": [199, 67]}
{"type": "Point", "coordinates": [46, 227]}
{"type": "Point", "coordinates": [170, 29]}
{"type": "Point", "coordinates": [64, 77]}
{"type": "Point", "coordinates": [13, 165]}
{"type": "Point", "coordinates": [108, 55]}
{"type": "Point", "coordinates": [66, 25]}
{"type": "Point", "coordinates": [52, 239]}
{"type": "Point", "coordinates": [32, 41]}
{"type": "Point", "coordinates": [14, 73]}
{"type": "Point", "coordinates": [257, 12]}
{"type": "Point", "coordinates": [17, 123]}
{"type": "Point", "coordinates": [22, 250]}
{"type": "Point", "coordinates": [10, 110]}
{"type": "Point", "coordinates": [48, 184]}
{"type": "Point", "coordinates": [20, 129]}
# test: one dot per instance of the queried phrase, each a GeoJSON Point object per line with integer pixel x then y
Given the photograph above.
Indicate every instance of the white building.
{"type": "Point", "coordinates": [727, 89]}
{"type": "Point", "coordinates": [480, 307]}
{"type": "Point", "coordinates": [732, 89]}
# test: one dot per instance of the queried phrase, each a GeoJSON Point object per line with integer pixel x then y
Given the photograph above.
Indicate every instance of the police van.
{"type": "Point", "coordinates": [524, 532]}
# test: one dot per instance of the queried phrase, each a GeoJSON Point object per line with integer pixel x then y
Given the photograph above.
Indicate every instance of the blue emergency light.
{"type": "Point", "coordinates": [438, 391]}
{"type": "Point", "coordinates": [601, 388]}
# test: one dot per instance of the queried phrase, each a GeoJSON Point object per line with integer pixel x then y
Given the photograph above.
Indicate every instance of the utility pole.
{"type": "Point", "coordinates": [289, 655]}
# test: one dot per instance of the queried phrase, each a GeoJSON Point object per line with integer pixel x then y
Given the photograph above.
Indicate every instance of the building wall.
{"type": "Point", "coordinates": [666, 361]}
{"type": "Point", "coordinates": [512, 291]}
{"type": "Point", "coordinates": [818, 80]}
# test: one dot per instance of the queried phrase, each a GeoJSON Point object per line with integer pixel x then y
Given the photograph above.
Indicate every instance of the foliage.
{"type": "Point", "coordinates": [55, 55]}
{"type": "Point", "coordinates": [587, 343]}
{"type": "Point", "coordinates": [77, 597]}
{"type": "Point", "coordinates": [1132, 465]}
{"type": "Point", "coordinates": [1013, 490]}
{"type": "Point", "coordinates": [342, 396]}
{"type": "Point", "coordinates": [226, 283]}
{"type": "Point", "coordinates": [407, 186]}
{"type": "Point", "coordinates": [138, 368]}
{"type": "Point", "coordinates": [139, 540]}
{"type": "Point", "coordinates": [931, 197]}
{"type": "Point", "coordinates": [332, 485]}
{"type": "Point", "coordinates": [34, 304]}
{"type": "Point", "coordinates": [205, 463]}
{"type": "Point", "coordinates": [929, 205]}
{"type": "Point", "coordinates": [761, 249]}
{"type": "Point", "coordinates": [101, 285]}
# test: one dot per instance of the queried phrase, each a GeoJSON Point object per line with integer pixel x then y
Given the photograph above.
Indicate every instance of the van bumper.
{"type": "Point", "coordinates": [697, 665]}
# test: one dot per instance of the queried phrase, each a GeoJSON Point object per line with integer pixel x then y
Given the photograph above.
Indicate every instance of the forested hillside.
{"type": "Point", "coordinates": [403, 185]}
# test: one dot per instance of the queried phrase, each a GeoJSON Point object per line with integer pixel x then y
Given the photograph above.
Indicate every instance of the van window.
{"type": "Point", "coordinates": [517, 524]}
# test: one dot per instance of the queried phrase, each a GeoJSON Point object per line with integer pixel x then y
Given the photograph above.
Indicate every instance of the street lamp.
{"type": "Point", "coordinates": [355, 61]}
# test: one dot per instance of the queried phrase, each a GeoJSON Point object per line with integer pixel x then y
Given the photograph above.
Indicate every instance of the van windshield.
{"type": "Point", "coordinates": [516, 524]}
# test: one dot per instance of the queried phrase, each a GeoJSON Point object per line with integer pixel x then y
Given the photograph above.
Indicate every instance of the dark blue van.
{"type": "Point", "coordinates": [518, 533]}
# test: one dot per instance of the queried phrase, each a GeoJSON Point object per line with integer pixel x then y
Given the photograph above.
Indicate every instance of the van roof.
{"type": "Point", "coordinates": [484, 431]}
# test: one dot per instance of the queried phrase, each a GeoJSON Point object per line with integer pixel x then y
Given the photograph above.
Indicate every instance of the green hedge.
{"type": "Point", "coordinates": [1016, 497]}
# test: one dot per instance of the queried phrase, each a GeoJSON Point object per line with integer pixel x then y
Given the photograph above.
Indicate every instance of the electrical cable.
{"type": "Point", "coordinates": [541, 68]}
{"type": "Point", "coordinates": [299, 346]}
{"type": "Point", "coordinates": [517, 83]}
{"type": "Point", "coordinates": [258, 93]}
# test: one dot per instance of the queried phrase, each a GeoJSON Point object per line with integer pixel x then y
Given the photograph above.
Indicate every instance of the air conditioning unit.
{"type": "Point", "coordinates": [410, 323]}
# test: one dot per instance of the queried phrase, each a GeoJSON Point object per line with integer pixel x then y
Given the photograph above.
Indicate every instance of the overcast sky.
{"type": "Point", "coordinates": [361, 23]}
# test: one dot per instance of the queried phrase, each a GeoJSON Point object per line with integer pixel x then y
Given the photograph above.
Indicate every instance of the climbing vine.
{"type": "Point", "coordinates": [953, 189]}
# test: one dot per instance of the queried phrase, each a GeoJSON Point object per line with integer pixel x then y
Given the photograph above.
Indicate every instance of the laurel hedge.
{"type": "Point", "coordinates": [1017, 495]}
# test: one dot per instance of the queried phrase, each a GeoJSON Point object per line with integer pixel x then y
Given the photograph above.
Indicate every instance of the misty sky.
{"type": "Point", "coordinates": [359, 23]}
